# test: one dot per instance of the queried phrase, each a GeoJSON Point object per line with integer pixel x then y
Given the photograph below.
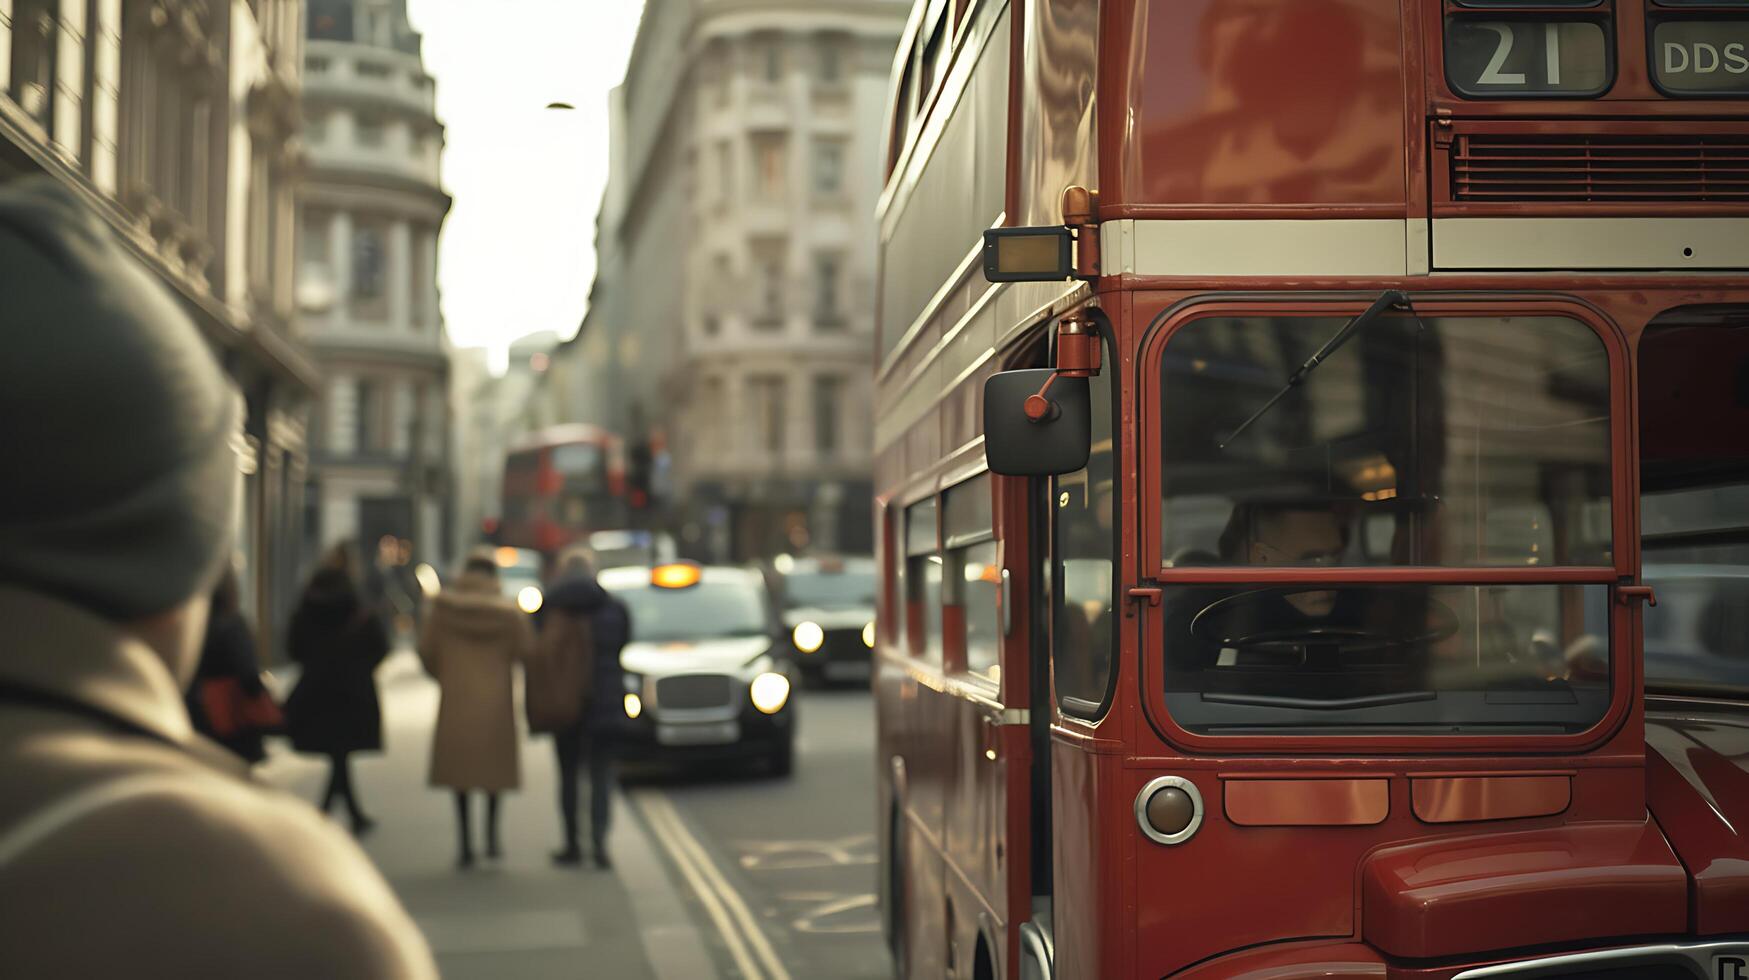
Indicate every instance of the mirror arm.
{"type": "Point", "coordinates": [1077, 357]}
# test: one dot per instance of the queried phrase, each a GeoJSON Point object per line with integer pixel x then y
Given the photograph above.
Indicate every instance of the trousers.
{"type": "Point", "coordinates": [573, 746]}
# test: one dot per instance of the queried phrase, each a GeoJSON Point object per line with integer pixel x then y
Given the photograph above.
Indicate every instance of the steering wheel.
{"type": "Point", "coordinates": [1237, 621]}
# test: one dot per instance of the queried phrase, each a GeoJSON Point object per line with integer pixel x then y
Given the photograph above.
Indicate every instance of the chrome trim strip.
{"type": "Point", "coordinates": [1695, 955]}
{"type": "Point", "coordinates": [1164, 782]}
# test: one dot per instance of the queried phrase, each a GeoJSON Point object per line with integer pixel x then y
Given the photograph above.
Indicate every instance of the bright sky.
{"type": "Point", "coordinates": [517, 252]}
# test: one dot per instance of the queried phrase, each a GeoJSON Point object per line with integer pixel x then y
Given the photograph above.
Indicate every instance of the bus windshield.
{"type": "Point", "coordinates": [1694, 485]}
{"type": "Point", "coordinates": [1452, 442]}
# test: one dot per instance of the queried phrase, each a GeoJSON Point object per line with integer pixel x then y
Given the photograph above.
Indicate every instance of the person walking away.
{"type": "Point", "coordinates": [130, 846]}
{"type": "Point", "coordinates": [228, 703]}
{"type": "Point", "coordinates": [575, 691]}
{"type": "Point", "coordinates": [334, 710]}
{"type": "Point", "coordinates": [471, 640]}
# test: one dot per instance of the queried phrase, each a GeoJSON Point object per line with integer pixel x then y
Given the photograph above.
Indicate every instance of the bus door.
{"type": "Point", "coordinates": [974, 578]}
{"type": "Point", "coordinates": [1077, 617]}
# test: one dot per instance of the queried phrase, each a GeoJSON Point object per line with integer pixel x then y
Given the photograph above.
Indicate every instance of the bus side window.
{"type": "Point", "coordinates": [922, 582]}
{"type": "Point", "coordinates": [973, 577]}
{"type": "Point", "coordinates": [1085, 532]}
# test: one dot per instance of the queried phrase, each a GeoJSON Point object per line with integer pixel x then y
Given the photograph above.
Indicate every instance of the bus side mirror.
{"type": "Point", "coordinates": [1054, 436]}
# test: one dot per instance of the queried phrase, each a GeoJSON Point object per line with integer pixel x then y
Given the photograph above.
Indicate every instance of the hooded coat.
{"type": "Point", "coordinates": [340, 642]}
{"type": "Point", "coordinates": [471, 640]}
{"type": "Point", "coordinates": [591, 677]}
{"type": "Point", "coordinates": [132, 847]}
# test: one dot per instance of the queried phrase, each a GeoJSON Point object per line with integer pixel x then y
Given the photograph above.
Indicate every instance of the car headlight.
{"type": "Point", "coordinates": [868, 635]}
{"type": "Point", "coordinates": [529, 600]}
{"type": "Point", "coordinates": [769, 691]}
{"type": "Point", "coordinates": [808, 636]}
{"type": "Point", "coordinates": [634, 705]}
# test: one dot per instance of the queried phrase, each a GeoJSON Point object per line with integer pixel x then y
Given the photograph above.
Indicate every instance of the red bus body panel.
{"type": "Point", "coordinates": [1318, 856]}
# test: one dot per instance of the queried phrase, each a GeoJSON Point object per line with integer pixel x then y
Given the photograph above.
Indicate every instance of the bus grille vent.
{"type": "Point", "coordinates": [1598, 168]}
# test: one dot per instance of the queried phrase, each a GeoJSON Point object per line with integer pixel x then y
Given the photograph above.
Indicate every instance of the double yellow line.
{"type": "Point", "coordinates": [748, 945]}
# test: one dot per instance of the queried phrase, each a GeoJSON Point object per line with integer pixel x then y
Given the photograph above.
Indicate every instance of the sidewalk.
{"type": "Point", "coordinates": [518, 917]}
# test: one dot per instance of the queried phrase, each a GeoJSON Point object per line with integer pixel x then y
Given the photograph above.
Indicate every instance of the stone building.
{"type": "Point", "coordinates": [372, 205]}
{"type": "Point", "coordinates": [177, 121]}
{"type": "Point", "coordinates": [732, 314]}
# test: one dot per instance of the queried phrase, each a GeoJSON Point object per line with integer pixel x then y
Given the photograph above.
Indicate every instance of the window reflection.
{"type": "Point", "coordinates": [1422, 441]}
{"type": "Point", "coordinates": [1412, 658]}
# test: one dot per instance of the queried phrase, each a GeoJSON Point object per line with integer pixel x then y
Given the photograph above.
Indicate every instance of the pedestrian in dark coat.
{"type": "Point", "coordinates": [334, 710]}
{"type": "Point", "coordinates": [228, 656]}
{"type": "Point", "coordinates": [583, 630]}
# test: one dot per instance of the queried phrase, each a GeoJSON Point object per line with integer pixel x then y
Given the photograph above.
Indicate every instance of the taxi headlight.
{"type": "Point", "coordinates": [769, 692]}
{"type": "Point", "coordinates": [868, 636]}
{"type": "Point", "coordinates": [529, 600]}
{"type": "Point", "coordinates": [634, 706]}
{"type": "Point", "coordinates": [809, 637]}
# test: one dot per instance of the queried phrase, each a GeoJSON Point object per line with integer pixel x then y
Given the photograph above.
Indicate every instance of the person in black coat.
{"type": "Point", "coordinates": [577, 594]}
{"type": "Point", "coordinates": [228, 654]}
{"type": "Point", "coordinates": [334, 711]}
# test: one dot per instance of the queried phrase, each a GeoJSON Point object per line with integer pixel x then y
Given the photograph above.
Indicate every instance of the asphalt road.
{"type": "Point", "coordinates": [795, 856]}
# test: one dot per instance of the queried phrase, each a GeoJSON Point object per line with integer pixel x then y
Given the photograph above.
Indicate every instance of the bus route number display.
{"type": "Point", "coordinates": [1520, 58]}
{"type": "Point", "coordinates": [1701, 57]}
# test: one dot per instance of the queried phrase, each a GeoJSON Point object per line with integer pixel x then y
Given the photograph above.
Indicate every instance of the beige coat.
{"type": "Point", "coordinates": [132, 847]}
{"type": "Point", "coordinates": [471, 641]}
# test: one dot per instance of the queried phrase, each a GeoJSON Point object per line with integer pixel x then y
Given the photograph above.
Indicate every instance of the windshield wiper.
{"type": "Point", "coordinates": [1386, 300]}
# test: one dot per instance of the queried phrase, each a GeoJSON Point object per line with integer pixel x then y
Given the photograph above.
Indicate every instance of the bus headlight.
{"type": "Point", "coordinates": [529, 600]}
{"type": "Point", "coordinates": [634, 706]}
{"type": "Point", "coordinates": [809, 637]}
{"type": "Point", "coordinates": [868, 636]}
{"type": "Point", "coordinates": [769, 692]}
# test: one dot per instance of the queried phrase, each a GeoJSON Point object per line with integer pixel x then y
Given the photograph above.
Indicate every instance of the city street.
{"type": "Point", "coordinates": [717, 872]}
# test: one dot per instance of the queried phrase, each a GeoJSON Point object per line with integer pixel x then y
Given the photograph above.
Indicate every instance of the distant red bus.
{"type": "Point", "coordinates": [561, 484]}
{"type": "Point", "coordinates": [1268, 526]}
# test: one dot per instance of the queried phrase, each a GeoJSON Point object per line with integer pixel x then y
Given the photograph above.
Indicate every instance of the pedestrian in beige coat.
{"type": "Point", "coordinates": [130, 846]}
{"type": "Point", "coordinates": [471, 641]}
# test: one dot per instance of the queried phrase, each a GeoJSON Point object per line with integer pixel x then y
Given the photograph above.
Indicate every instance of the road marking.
{"type": "Point", "coordinates": [728, 911]}
{"type": "Point", "coordinates": [802, 854]}
{"type": "Point", "coordinates": [836, 916]}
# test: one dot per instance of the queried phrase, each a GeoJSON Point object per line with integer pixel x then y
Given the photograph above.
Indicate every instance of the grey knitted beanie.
{"type": "Point", "coordinates": [118, 477]}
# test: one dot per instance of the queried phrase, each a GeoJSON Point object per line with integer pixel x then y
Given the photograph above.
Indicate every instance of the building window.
{"type": "Point", "coordinates": [768, 397]}
{"type": "Point", "coordinates": [725, 170]}
{"type": "Point", "coordinates": [330, 20]}
{"type": "Point", "coordinates": [768, 259]}
{"type": "Point", "coordinates": [369, 259]}
{"type": "Point", "coordinates": [830, 63]}
{"type": "Point", "coordinates": [371, 69]}
{"type": "Point", "coordinates": [370, 130]}
{"type": "Point", "coordinates": [770, 151]}
{"type": "Point", "coordinates": [33, 59]}
{"type": "Point", "coordinates": [828, 166]}
{"type": "Point", "coordinates": [419, 275]}
{"type": "Point", "coordinates": [828, 413]}
{"type": "Point", "coordinates": [367, 409]}
{"type": "Point", "coordinates": [314, 240]}
{"type": "Point", "coordinates": [316, 127]}
{"type": "Point", "coordinates": [316, 66]}
{"type": "Point", "coordinates": [771, 53]}
{"type": "Point", "coordinates": [828, 271]}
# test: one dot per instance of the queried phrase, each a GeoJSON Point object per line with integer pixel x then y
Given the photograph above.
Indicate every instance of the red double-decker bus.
{"type": "Point", "coordinates": [1271, 508]}
{"type": "Point", "coordinates": [561, 484]}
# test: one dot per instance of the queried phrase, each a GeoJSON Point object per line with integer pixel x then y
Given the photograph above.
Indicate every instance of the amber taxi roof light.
{"type": "Point", "coordinates": [506, 557]}
{"type": "Point", "coordinates": [676, 575]}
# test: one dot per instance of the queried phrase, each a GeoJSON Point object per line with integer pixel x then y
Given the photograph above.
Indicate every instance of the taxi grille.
{"type": "Point", "coordinates": [1600, 168]}
{"type": "Point", "coordinates": [693, 691]}
{"type": "Point", "coordinates": [844, 645]}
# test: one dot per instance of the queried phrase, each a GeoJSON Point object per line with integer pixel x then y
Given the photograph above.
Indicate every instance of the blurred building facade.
{"type": "Point", "coordinates": [177, 121]}
{"type": "Point", "coordinates": [732, 314]}
{"type": "Point", "coordinates": [371, 209]}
